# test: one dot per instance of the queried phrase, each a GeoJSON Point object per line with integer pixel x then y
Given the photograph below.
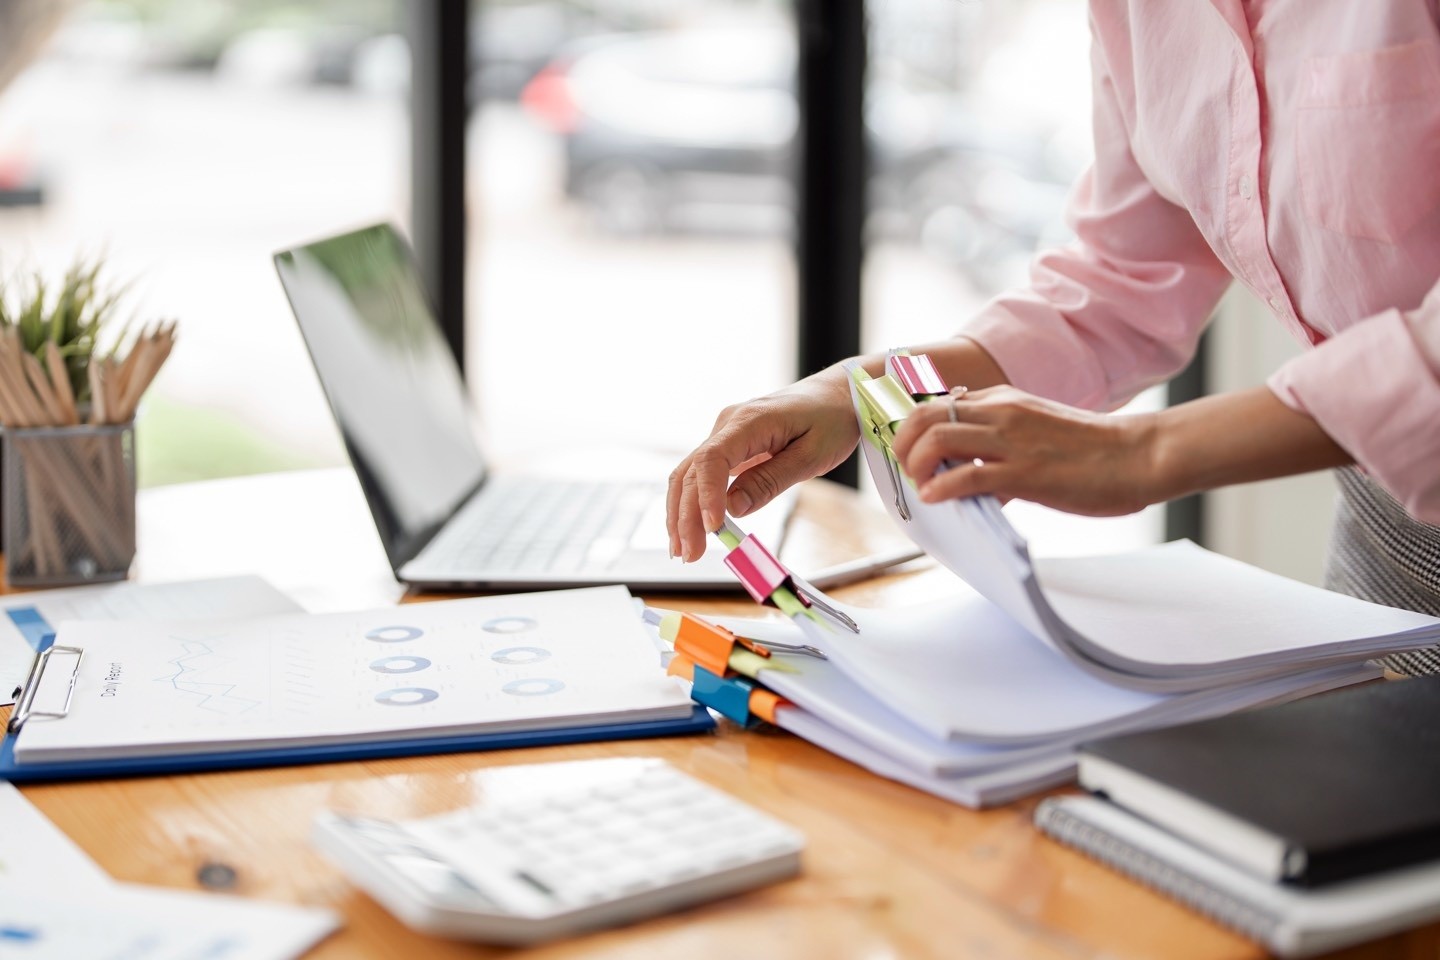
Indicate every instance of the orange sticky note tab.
{"type": "Point", "coordinates": [682, 667]}
{"type": "Point", "coordinates": [763, 704]}
{"type": "Point", "coordinates": [705, 643]}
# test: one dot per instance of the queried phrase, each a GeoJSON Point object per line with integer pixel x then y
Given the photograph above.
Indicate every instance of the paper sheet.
{"type": "Point", "coordinates": [1163, 619]}
{"type": "Point", "coordinates": [25, 618]}
{"type": "Point", "coordinates": [35, 853]}
{"type": "Point", "coordinates": [504, 663]}
{"type": "Point", "coordinates": [941, 686]}
{"type": "Point", "coordinates": [981, 789]}
{"type": "Point", "coordinates": [1180, 606]}
{"type": "Point", "coordinates": [147, 923]}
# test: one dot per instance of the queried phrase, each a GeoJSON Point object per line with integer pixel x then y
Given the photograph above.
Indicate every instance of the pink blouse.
{"type": "Point", "coordinates": [1293, 145]}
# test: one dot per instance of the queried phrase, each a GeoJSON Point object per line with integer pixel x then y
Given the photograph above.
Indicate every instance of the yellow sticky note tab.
{"type": "Point", "coordinates": [749, 664]}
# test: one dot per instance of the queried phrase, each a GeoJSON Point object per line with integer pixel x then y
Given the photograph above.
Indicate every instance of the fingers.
{"type": "Point", "coordinates": [672, 504]}
{"type": "Point", "coordinates": [955, 442]}
{"type": "Point", "coordinates": [966, 480]}
{"type": "Point", "coordinates": [699, 506]}
{"type": "Point", "coordinates": [758, 485]}
{"type": "Point", "coordinates": [935, 412]}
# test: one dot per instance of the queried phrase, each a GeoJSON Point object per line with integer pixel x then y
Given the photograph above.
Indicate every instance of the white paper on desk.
{"type": "Point", "coordinates": [496, 664]}
{"type": "Point", "coordinates": [34, 853]}
{"type": "Point", "coordinates": [125, 922]}
{"type": "Point", "coordinates": [985, 788]}
{"type": "Point", "coordinates": [193, 600]}
{"type": "Point", "coordinates": [941, 686]}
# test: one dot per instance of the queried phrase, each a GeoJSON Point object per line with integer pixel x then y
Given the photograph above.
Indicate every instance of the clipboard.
{"type": "Point", "coordinates": [698, 721]}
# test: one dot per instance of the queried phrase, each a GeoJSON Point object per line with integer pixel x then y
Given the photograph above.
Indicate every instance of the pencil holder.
{"type": "Point", "coordinates": [69, 504]}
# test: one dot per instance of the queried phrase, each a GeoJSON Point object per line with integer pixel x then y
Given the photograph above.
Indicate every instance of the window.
{"type": "Point", "coordinates": [631, 266]}
{"type": "Point", "coordinates": [979, 121]}
{"type": "Point", "coordinates": [186, 142]}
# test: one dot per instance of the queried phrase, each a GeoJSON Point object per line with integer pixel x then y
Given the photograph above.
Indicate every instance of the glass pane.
{"type": "Point", "coordinates": [187, 141]}
{"type": "Point", "coordinates": [631, 270]}
{"type": "Point", "coordinates": [979, 119]}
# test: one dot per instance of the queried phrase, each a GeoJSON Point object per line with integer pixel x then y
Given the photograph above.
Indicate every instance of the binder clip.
{"type": "Point", "coordinates": [884, 405]}
{"type": "Point", "coordinates": [917, 374]}
{"type": "Point", "coordinates": [715, 648]}
{"type": "Point", "coordinates": [768, 581]}
{"type": "Point", "coordinates": [734, 697]}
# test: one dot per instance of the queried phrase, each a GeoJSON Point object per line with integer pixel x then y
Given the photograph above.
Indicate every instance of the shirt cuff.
{"type": "Point", "coordinates": [1371, 389]}
{"type": "Point", "coordinates": [1037, 351]}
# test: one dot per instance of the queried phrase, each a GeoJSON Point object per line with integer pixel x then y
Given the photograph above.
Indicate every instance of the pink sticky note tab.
{"type": "Point", "coordinates": [918, 375]}
{"type": "Point", "coordinates": [757, 569]}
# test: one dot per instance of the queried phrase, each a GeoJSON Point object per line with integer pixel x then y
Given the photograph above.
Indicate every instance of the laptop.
{"type": "Point", "coordinates": [446, 519]}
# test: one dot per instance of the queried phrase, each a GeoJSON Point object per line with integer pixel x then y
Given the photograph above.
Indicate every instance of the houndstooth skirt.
{"type": "Point", "coordinates": [1378, 552]}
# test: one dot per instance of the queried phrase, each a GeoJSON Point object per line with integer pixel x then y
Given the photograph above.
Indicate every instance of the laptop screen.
{"type": "Point", "coordinates": [392, 382]}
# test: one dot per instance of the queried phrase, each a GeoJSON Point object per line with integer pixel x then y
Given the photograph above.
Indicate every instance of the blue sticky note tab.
{"type": "Point", "coordinates": [730, 697]}
{"type": "Point", "coordinates": [33, 627]}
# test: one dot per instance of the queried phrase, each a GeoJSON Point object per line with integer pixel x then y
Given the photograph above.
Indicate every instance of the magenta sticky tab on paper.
{"type": "Point", "coordinates": [917, 374]}
{"type": "Point", "coordinates": [757, 569]}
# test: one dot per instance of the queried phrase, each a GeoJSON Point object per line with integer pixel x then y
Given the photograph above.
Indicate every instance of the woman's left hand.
{"type": "Point", "coordinates": [1031, 449]}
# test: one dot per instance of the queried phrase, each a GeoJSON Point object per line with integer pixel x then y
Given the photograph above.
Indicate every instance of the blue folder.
{"type": "Point", "coordinates": [699, 721]}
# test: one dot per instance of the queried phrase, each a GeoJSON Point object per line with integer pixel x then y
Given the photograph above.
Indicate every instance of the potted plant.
{"type": "Point", "coordinates": [67, 406]}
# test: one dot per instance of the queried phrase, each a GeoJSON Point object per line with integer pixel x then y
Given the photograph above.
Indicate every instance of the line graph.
{"type": "Point", "coordinates": [197, 659]}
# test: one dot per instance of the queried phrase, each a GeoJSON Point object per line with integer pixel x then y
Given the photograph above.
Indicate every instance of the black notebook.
{"type": "Point", "coordinates": [1333, 787]}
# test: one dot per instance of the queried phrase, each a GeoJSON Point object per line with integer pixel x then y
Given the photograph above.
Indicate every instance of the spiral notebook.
{"type": "Point", "coordinates": [1289, 921]}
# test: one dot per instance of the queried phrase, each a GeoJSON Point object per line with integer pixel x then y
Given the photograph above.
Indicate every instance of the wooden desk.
{"type": "Point", "coordinates": [889, 872]}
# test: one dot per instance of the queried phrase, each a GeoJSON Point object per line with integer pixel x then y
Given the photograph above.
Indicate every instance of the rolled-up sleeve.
{"type": "Point", "coordinates": [1375, 389]}
{"type": "Point", "coordinates": [1120, 309]}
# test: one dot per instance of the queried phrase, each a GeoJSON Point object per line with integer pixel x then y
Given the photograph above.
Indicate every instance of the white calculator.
{"type": "Point", "coordinates": [565, 861]}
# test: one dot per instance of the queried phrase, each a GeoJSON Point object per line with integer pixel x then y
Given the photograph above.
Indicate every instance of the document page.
{"type": "Point", "coordinates": [144, 923]}
{"type": "Point", "coordinates": [1182, 607]}
{"type": "Point", "coordinates": [27, 620]}
{"type": "Point", "coordinates": [505, 663]}
{"type": "Point", "coordinates": [34, 852]}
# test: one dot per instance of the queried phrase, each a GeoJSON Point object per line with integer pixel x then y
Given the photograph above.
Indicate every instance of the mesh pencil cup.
{"type": "Point", "coordinates": [69, 504]}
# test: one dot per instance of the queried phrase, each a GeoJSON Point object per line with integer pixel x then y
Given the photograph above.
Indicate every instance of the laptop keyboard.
{"type": "Point", "coordinates": [544, 526]}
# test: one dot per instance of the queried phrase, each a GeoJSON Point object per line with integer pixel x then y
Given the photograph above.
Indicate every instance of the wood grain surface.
{"type": "Point", "coordinates": [889, 872]}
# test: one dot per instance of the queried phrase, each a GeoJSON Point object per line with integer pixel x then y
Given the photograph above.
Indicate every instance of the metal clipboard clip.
{"type": "Point", "coordinates": [25, 694]}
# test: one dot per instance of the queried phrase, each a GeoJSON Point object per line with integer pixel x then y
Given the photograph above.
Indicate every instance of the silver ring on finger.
{"type": "Point", "coordinates": [956, 395]}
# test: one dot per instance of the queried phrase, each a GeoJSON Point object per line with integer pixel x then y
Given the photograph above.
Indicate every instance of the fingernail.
{"type": "Point", "coordinates": [684, 549]}
{"type": "Point", "coordinates": [740, 503]}
{"type": "Point", "coordinates": [711, 524]}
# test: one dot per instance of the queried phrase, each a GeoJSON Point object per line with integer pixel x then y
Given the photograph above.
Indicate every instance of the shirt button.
{"type": "Point", "coordinates": [1274, 303]}
{"type": "Point", "coordinates": [1247, 187]}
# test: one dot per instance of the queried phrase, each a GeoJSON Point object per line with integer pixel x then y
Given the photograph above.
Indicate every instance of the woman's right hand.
{"type": "Point", "coordinates": [767, 444]}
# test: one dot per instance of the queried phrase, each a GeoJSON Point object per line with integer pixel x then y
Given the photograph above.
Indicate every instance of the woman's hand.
{"type": "Point", "coordinates": [768, 445]}
{"type": "Point", "coordinates": [1031, 449]}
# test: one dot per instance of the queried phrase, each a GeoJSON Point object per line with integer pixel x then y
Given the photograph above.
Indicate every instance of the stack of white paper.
{"type": "Point", "coordinates": [957, 699]}
{"type": "Point", "coordinates": [983, 696]}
